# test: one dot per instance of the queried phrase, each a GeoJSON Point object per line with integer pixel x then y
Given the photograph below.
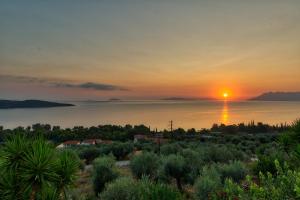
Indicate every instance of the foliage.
{"type": "Point", "coordinates": [222, 154]}
{"type": "Point", "coordinates": [145, 164]}
{"type": "Point", "coordinates": [103, 173]}
{"type": "Point", "coordinates": [208, 184]}
{"type": "Point", "coordinates": [89, 154]}
{"type": "Point", "coordinates": [176, 167]}
{"type": "Point", "coordinates": [192, 156]}
{"type": "Point", "coordinates": [122, 188]}
{"type": "Point", "coordinates": [281, 186]}
{"type": "Point", "coordinates": [148, 190]}
{"type": "Point", "coordinates": [32, 169]}
{"type": "Point", "coordinates": [145, 189]}
{"type": "Point", "coordinates": [235, 170]}
{"type": "Point", "coordinates": [121, 150]}
{"type": "Point", "coordinates": [169, 149]}
{"type": "Point", "coordinates": [232, 190]}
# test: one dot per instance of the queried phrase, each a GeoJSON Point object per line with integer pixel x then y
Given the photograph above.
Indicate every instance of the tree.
{"type": "Point", "coordinates": [145, 164]}
{"type": "Point", "coordinates": [176, 167]}
{"type": "Point", "coordinates": [89, 154]}
{"type": "Point", "coordinates": [104, 172]}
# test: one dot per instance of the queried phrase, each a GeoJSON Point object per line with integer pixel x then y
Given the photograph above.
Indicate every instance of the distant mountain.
{"type": "Point", "coordinates": [6, 104]}
{"type": "Point", "coordinates": [278, 96]}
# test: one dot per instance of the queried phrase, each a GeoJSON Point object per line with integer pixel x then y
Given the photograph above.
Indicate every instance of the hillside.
{"type": "Point", "coordinates": [7, 104]}
{"type": "Point", "coordinates": [278, 96]}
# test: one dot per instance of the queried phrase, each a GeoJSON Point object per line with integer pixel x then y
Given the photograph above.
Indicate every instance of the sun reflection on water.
{"type": "Point", "coordinates": [225, 113]}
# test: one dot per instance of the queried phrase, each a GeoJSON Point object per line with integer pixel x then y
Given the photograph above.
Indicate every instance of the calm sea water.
{"type": "Point", "coordinates": [157, 114]}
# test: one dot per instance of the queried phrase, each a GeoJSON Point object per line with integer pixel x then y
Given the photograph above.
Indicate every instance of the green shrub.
{"type": "Point", "coordinates": [148, 190]}
{"type": "Point", "coordinates": [169, 149]}
{"type": "Point", "coordinates": [282, 186]}
{"type": "Point", "coordinates": [145, 189]}
{"type": "Point", "coordinates": [122, 188]}
{"type": "Point", "coordinates": [191, 156]}
{"type": "Point", "coordinates": [121, 150]}
{"type": "Point", "coordinates": [217, 154]}
{"type": "Point", "coordinates": [89, 154]}
{"type": "Point", "coordinates": [208, 184]}
{"type": "Point", "coordinates": [233, 190]}
{"type": "Point", "coordinates": [235, 170]}
{"type": "Point", "coordinates": [104, 172]}
{"type": "Point", "coordinates": [175, 166]}
{"type": "Point", "coordinates": [145, 164]}
{"type": "Point", "coordinates": [265, 164]}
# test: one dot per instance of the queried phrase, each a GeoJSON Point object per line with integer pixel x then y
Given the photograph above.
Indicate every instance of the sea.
{"type": "Point", "coordinates": [156, 114]}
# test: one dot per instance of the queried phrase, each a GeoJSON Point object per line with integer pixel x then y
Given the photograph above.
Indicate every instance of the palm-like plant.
{"type": "Point", "coordinates": [33, 169]}
{"type": "Point", "coordinates": [66, 169]}
{"type": "Point", "coordinates": [12, 155]}
{"type": "Point", "coordinates": [38, 167]}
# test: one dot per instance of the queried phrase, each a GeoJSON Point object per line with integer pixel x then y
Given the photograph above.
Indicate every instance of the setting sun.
{"type": "Point", "coordinates": [225, 94]}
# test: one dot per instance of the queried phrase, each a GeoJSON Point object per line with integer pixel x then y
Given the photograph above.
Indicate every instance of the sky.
{"type": "Point", "coordinates": [148, 49]}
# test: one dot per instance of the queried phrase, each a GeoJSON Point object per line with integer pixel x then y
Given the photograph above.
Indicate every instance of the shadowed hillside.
{"type": "Point", "coordinates": [278, 96]}
{"type": "Point", "coordinates": [6, 104]}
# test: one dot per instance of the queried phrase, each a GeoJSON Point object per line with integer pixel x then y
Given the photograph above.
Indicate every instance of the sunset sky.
{"type": "Point", "coordinates": [147, 49]}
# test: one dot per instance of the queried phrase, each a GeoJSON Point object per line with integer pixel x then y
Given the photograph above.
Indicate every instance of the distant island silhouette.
{"type": "Point", "coordinates": [7, 104]}
{"type": "Point", "coordinates": [278, 96]}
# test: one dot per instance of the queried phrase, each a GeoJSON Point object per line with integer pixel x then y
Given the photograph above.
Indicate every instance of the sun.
{"type": "Point", "coordinates": [225, 95]}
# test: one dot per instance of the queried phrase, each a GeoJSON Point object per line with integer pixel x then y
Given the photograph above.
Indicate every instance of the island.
{"type": "Point", "coordinates": [278, 96]}
{"type": "Point", "coordinates": [8, 104]}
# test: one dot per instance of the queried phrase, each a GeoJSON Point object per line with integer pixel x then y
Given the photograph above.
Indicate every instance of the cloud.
{"type": "Point", "coordinates": [63, 84]}
{"type": "Point", "coordinates": [91, 85]}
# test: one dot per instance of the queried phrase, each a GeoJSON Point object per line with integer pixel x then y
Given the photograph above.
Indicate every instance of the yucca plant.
{"type": "Point", "coordinates": [66, 169]}
{"type": "Point", "coordinates": [38, 167]}
{"type": "Point", "coordinates": [33, 169]}
{"type": "Point", "coordinates": [12, 154]}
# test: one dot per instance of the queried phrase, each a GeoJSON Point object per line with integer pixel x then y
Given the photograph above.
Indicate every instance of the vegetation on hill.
{"type": "Point", "coordinates": [210, 165]}
{"type": "Point", "coordinates": [278, 96]}
{"type": "Point", "coordinates": [6, 104]}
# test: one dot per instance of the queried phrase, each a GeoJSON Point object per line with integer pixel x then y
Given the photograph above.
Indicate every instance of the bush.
{"type": "Point", "coordinates": [282, 186]}
{"type": "Point", "coordinates": [233, 190]}
{"type": "Point", "coordinates": [89, 154]}
{"type": "Point", "coordinates": [150, 191]}
{"type": "Point", "coordinates": [122, 188]}
{"type": "Point", "coordinates": [191, 156]}
{"type": "Point", "coordinates": [145, 164]}
{"type": "Point", "coordinates": [234, 170]}
{"type": "Point", "coordinates": [217, 154]}
{"type": "Point", "coordinates": [168, 149]}
{"type": "Point", "coordinates": [208, 184]}
{"type": "Point", "coordinates": [121, 150]}
{"type": "Point", "coordinates": [266, 164]}
{"type": "Point", "coordinates": [128, 189]}
{"type": "Point", "coordinates": [176, 167]}
{"type": "Point", "coordinates": [104, 172]}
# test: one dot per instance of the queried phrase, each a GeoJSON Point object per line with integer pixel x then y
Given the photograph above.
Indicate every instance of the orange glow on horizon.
{"type": "Point", "coordinates": [230, 91]}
